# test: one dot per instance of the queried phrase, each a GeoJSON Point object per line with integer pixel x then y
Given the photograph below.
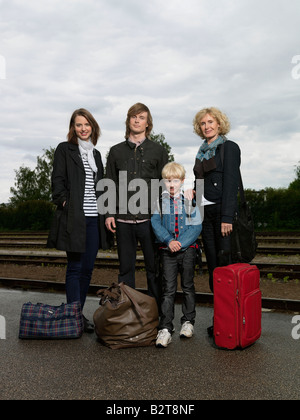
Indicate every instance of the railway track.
{"type": "Point", "coordinates": [287, 305]}
{"type": "Point", "coordinates": [25, 248]}
{"type": "Point", "coordinates": [266, 245]}
{"type": "Point", "coordinates": [110, 261]}
{"type": "Point", "coordinates": [30, 248]}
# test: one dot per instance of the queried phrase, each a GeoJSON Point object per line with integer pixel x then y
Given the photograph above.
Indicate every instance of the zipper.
{"type": "Point", "coordinates": [239, 332]}
{"type": "Point", "coordinates": [249, 296]}
{"type": "Point", "coordinates": [241, 311]}
{"type": "Point", "coordinates": [237, 310]}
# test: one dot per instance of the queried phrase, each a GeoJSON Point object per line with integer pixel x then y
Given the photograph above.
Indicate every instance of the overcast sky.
{"type": "Point", "coordinates": [175, 56]}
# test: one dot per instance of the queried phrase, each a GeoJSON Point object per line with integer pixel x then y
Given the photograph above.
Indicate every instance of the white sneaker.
{"type": "Point", "coordinates": [187, 330]}
{"type": "Point", "coordinates": [163, 339]}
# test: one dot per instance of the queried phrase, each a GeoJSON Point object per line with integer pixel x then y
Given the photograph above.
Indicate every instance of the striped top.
{"type": "Point", "coordinates": [89, 201]}
{"type": "Point", "coordinates": [176, 217]}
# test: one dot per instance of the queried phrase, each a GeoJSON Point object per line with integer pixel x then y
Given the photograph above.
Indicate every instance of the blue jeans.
{"type": "Point", "coordinates": [182, 263]}
{"type": "Point", "coordinates": [80, 266]}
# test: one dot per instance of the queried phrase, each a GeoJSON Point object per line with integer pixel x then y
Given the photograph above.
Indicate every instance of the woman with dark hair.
{"type": "Point", "coordinates": [218, 164]}
{"type": "Point", "coordinates": [77, 168]}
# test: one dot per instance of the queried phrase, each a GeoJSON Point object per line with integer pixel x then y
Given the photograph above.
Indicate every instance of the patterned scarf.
{"type": "Point", "coordinates": [207, 151]}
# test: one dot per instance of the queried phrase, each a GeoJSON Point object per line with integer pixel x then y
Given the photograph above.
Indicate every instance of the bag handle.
{"type": "Point", "coordinates": [134, 302]}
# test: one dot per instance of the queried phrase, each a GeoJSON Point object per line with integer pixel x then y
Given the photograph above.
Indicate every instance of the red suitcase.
{"type": "Point", "coordinates": [237, 306]}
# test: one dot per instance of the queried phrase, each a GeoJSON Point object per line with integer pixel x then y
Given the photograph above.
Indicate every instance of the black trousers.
{"type": "Point", "coordinates": [128, 236]}
{"type": "Point", "coordinates": [216, 247]}
{"type": "Point", "coordinates": [172, 265]}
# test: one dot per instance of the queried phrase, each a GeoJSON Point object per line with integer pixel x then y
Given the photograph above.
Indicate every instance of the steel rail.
{"type": "Point", "coordinates": [280, 271]}
{"type": "Point", "coordinates": [286, 305]}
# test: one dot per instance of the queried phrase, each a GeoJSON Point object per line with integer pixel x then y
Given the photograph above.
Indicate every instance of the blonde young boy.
{"type": "Point", "coordinates": [177, 225]}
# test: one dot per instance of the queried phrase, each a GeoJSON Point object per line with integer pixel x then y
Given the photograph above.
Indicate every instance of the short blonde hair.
{"type": "Point", "coordinates": [222, 119]}
{"type": "Point", "coordinates": [173, 170]}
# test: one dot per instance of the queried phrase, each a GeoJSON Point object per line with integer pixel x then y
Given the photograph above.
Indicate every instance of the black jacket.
{"type": "Point", "coordinates": [221, 176]}
{"type": "Point", "coordinates": [68, 230]}
{"type": "Point", "coordinates": [144, 162]}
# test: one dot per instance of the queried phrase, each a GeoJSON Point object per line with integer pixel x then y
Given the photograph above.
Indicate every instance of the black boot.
{"type": "Point", "coordinates": [88, 325]}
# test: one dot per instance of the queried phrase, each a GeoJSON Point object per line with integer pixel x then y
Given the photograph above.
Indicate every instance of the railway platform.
{"type": "Point", "coordinates": [188, 370]}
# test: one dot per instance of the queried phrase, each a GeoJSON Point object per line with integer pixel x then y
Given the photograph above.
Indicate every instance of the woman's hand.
{"type": "Point", "coordinates": [189, 194]}
{"type": "Point", "coordinates": [226, 229]}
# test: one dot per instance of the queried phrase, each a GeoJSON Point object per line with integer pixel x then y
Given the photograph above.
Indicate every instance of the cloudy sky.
{"type": "Point", "coordinates": [175, 56]}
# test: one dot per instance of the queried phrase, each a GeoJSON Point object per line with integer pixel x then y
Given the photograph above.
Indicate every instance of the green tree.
{"type": "Point", "coordinates": [295, 185]}
{"type": "Point", "coordinates": [160, 139]}
{"type": "Point", "coordinates": [34, 184]}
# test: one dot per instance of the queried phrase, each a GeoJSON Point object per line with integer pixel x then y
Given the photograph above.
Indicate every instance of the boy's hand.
{"type": "Point", "coordinates": [175, 246]}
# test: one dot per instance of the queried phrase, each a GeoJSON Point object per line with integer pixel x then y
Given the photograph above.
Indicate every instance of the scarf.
{"type": "Point", "coordinates": [87, 148]}
{"type": "Point", "coordinates": [207, 151]}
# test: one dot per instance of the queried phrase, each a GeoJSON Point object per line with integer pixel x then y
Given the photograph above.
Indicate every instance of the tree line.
{"type": "Point", "coordinates": [30, 206]}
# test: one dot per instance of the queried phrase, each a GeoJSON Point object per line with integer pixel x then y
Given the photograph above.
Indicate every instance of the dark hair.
{"type": "Point", "coordinates": [96, 132]}
{"type": "Point", "coordinates": [136, 110]}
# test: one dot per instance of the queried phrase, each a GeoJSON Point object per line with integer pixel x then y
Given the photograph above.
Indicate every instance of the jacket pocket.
{"type": "Point", "coordinates": [58, 227]}
{"type": "Point", "coordinates": [217, 184]}
{"type": "Point", "coordinates": [148, 168]}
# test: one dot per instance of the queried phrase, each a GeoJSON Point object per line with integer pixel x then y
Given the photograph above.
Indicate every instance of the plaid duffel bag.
{"type": "Point", "coordinates": [40, 321]}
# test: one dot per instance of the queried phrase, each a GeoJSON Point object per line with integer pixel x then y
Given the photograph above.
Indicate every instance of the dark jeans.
{"type": "Point", "coordinates": [128, 236]}
{"type": "Point", "coordinates": [216, 247]}
{"type": "Point", "coordinates": [80, 266]}
{"type": "Point", "coordinates": [173, 264]}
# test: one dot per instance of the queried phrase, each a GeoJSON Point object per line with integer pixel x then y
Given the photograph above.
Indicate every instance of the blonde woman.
{"type": "Point", "coordinates": [218, 164]}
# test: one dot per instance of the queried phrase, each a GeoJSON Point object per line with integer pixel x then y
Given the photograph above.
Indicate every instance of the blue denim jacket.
{"type": "Point", "coordinates": [189, 222]}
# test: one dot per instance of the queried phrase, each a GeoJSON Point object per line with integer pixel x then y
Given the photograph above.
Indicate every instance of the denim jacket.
{"type": "Point", "coordinates": [189, 221]}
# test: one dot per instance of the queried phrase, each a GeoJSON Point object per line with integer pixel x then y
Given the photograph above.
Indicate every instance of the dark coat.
{"type": "Point", "coordinates": [221, 178]}
{"type": "Point", "coordinates": [145, 162]}
{"type": "Point", "coordinates": [68, 230]}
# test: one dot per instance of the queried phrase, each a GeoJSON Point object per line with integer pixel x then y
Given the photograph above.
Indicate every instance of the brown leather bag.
{"type": "Point", "coordinates": [126, 318]}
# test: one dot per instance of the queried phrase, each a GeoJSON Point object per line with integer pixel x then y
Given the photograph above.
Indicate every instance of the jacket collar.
{"type": "Point", "coordinates": [166, 194]}
{"type": "Point", "coordinates": [75, 155]}
{"type": "Point", "coordinates": [133, 145]}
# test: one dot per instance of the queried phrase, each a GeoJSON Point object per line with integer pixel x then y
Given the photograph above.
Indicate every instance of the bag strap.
{"type": "Point", "coordinates": [241, 186]}
{"type": "Point", "coordinates": [132, 299]}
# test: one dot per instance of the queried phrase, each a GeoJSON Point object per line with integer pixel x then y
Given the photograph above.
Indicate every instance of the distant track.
{"type": "Point", "coordinates": [201, 298]}
{"type": "Point", "coordinates": [263, 250]}
{"type": "Point", "coordinates": [29, 248]}
{"type": "Point", "coordinates": [280, 271]}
